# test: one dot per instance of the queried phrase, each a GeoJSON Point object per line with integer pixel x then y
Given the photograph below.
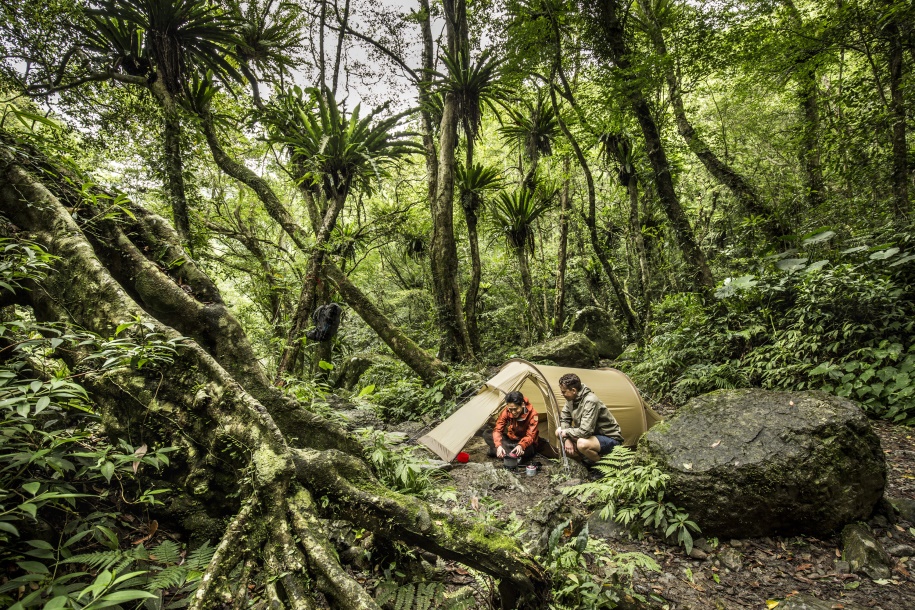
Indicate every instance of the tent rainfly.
{"type": "Point", "coordinates": [540, 384]}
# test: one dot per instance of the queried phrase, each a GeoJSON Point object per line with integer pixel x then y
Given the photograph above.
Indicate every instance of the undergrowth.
{"type": "Point", "coordinates": [70, 500]}
{"type": "Point", "coordinates": [588, 574]}
{"type": "Point", "coordinates": [631, 493]}
{"type": "Point", "coordinates": [842, 324]}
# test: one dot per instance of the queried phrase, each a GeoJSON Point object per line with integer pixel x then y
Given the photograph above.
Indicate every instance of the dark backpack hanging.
{"type": "Point", "coordinates": [327, 321]}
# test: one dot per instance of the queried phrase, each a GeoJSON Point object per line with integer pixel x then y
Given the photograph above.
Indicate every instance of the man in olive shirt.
{"type": "Point", "coordinates": [586, 426]}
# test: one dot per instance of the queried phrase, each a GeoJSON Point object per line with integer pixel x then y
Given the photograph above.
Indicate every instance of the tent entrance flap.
{"type": "Point", "coordinates": [540, 384]}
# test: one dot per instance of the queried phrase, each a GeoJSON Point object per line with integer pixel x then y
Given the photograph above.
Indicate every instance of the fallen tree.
{"type": "Point", "coordinates": [249, 450]}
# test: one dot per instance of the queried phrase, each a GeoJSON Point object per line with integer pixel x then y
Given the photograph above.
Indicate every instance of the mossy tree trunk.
{"type": "Point", "coordinates": [249, 451]}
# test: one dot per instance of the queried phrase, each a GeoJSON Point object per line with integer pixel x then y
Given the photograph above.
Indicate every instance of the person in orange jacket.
{"type": "Point", "coordinates": [515, 435]}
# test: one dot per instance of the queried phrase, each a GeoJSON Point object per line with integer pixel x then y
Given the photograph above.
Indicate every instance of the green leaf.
{"type": "Point", "coordinates": [119, 597]}
{"type": "Point", "coordinates": [107, 470]}
{"type": "Point", "coordinates": [9, 528]}
{"type": "Point", "coordinates": [32, 487]}
{"type": "Point", "coordinates": [29, 508]}
{"type": "Point", "coordinates": [367, 390]}
{"type": "Point", "coordinates": [42, 404]}
{"type": "Point", "coordinates": [33, 567]}
{"type": "Point", "coordinates": [327, 366]}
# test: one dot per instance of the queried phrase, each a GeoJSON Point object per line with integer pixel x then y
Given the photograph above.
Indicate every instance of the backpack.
{"type": "Point", "coordinates": [327, 321]}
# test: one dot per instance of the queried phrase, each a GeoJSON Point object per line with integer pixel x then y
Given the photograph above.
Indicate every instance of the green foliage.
{"type": "Point", "coordinates": [514, 213]}
{"type": "Point", "coordinates": [176, 38]}
{"type": "Point", "coordinates": [422, 596]}
{"type": "Point", "coordinates": [587, 573]}
{"type": "Point", "coordinates": [632, 494]}
{"type": "Point", "coordinates": [397, 466]}
{"type": "Point", "coordinates": [21, 260]}
{"type": "Point", "coordinates": [843, 326]}
{"type": "Point", "coordinates": [474, 84]}
{"type": "Point", "coordinates": [473, 182]}
{"type": "Point", "coordinates": [141, 346]}
{"type": "Point", "coordinates": [332, 151]}
{"type": "Point", "coordinates": [59, 512]}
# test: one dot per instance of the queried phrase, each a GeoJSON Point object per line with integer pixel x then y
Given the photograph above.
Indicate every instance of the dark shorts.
{"type": "Point", "coordinates": [606, 444]}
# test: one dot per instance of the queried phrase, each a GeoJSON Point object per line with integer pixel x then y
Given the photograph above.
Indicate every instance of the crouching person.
{"type": "Point", "coordinates": [586, 426]}
{"type": "Point", "coordinates": [515, 436]}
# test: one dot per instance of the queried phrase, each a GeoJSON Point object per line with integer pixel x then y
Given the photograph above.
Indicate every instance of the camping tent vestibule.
{"type": "Point", "coordinates": [540, 384]}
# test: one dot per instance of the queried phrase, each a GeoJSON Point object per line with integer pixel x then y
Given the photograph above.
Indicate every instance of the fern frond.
{"type": "Point", "coordinates": [200, 557]}
{"type": "Point", "coordinates": [169, 578]}
{"type": "Point", "coordinates": [166, 552]}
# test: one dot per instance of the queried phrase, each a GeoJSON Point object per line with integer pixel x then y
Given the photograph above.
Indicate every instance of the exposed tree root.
{"type": "Point", "coordinates": [260, 460]}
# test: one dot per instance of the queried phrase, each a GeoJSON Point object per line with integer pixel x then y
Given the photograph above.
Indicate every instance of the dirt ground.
{"type": "Point", "coordinates": [752, 573]}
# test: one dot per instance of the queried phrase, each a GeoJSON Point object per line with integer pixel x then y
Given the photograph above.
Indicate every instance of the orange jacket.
{"type": "Point", "coordinates": [522, 430]}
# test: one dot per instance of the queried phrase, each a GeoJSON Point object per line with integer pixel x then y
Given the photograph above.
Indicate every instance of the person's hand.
{"type": "Point", "coordinates": [500, 452]}
{"type": "Point", "coordinates": [516, 452]}
{"type": "Point", "coordinates": [559, 432]}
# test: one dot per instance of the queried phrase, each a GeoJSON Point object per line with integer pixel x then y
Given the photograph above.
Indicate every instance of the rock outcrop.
{"type": "Point", "coordinates": [573, 349]}
{"type": "Point", "coordinates": [597, 324]}
{"type": "Point", "coordinates": [748, 463]}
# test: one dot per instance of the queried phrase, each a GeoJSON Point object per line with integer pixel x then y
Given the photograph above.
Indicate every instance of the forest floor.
{"type": "Point", "coordinates": [753, 573]}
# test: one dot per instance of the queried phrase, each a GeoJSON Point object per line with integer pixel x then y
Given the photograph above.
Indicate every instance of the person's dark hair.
{"type": "Point", "coordinates": [571, 381]}
{"type": "Point", "coordinates": [515, 398]}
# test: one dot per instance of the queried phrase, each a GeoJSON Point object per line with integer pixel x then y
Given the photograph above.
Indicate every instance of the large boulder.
{"type": "Point", "coordinates": [749, 463]}
{"type": "Point", "coordinates": [573, 350]}
{"type": "Point", "coordinates": [597, 324]}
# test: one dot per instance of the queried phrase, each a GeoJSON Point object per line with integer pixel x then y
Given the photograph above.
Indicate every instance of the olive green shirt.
{"type": "Point", "coordinates": [587, 416]}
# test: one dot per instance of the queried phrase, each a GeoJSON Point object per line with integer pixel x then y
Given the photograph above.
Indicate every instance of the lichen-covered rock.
{"type": "Point", "coordinates": [905, 508]}
{"type": "Point", "coordinates": [573, 349]}
{"type": "Point", "coordinates": [863, 553]}
{"type": "Point", "coordinates": [748, 463]}
{"type": "Point", "coordinates": [597, 324]}
{"type": "Point", "coordinates": [546, 516]}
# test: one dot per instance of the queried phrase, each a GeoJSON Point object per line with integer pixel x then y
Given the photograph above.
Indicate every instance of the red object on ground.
{"type": "Point", "coordinates": [463, 457]}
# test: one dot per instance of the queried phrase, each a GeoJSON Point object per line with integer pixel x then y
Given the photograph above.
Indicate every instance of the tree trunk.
{"type": "Point", "coordinates": [591, 219]}
{"type": "Point", "coordinates": [421, 362]}
{"type": "Point", "coordinates": [898, 109]}
{"type": "Point", "coordinates": [239, 455]}
{"type": "Point", "coordinates": [306, 302]}
{"type": "Point", "coordinates": [638, 242]}
{"type": "Point", "coordinates": [721, 171]}
{"type": "Point", "coordinates": [174, 163]}
{"type": "Point", "coordinates": [808, 94]}
{"type": "Point", "coordinates": [562, 255]}
{"type": "Point", "coordinates": [527, 287]}
{"type": "Point", "coordinates": [611, 42]}
{"type": "Point", "coordinates": [476, 273]}
{"type": "Point", "coordinates": [455, 340]}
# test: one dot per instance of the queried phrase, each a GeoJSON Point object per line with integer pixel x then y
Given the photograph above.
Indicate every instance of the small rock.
{"type": "Point", "coordinates": [905, 508]}
{"type": "Point", "coordinates": [843, 567]}
{"type": "Point", "coordinates": [901, 550]}
{"type": "Point", "coordinates": [730, 559]}
{"type": "Point", "coordinates": [702, 544]}
{"type": "Point", "coordinates": [600, 528]}
{"type": "Point", "coordinates": [864, 554]}
{"type": "Point", "coordinates": [736, 543]}
{"type": "Point", "coordinates": [697, 553]}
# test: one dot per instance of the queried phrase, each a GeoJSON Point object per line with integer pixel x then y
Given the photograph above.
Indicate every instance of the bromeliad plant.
{"type": "Point", "coordinates": [334, 152]}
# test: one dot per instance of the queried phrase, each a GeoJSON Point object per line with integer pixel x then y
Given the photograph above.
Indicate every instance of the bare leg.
{"type": "Point", "coordinates": [590, 448]}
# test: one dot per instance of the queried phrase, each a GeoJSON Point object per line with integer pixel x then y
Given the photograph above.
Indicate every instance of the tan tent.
{"type": "Point", "coordinates": [540, 384]}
